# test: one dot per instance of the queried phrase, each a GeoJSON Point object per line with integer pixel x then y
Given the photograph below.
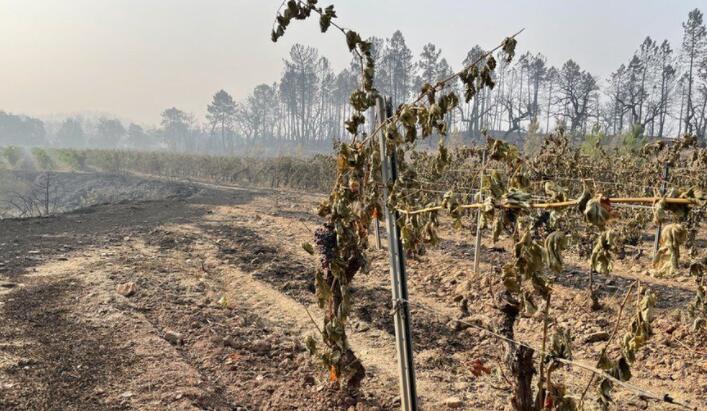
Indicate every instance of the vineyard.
{"type": "Point", "coordinates": [242, 249]}
{"type": "Point", "coordinates": [382, 174]}
{"type": "Point", "coordinates": [315, 174]}
{"type": "Point", "coordinates": [409, 269]}
{"type": "Point", "coordinates": [593, 209]}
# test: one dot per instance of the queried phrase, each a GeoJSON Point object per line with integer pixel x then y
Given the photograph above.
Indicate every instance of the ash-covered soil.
{"type": "Point", "coordinates": [68, 191]}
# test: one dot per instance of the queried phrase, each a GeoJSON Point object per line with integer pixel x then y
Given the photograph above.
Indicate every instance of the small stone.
{"type": "Point", "coordinates": [453, 402]}
{"type": "Point", "coordinates": [173, 337]}
{"type": "Point", "coordinates": [127, 289]}
{"type": "Point", "coordinates": [261, 346]}
{"type": "Point", "coordinates": [595, 337]}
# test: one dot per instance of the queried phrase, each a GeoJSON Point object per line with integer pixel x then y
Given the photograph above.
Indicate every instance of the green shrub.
{"type": "Point", "coordinates": [12, 154]}
{"type": "Point", "coordinates": [42, 159]}
{"type": "Point", "coordinates": [74, 159]}
{"type": "Point", "coordinates": [633, 140]}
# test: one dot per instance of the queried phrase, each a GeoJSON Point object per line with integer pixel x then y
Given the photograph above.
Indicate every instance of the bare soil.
{"type": "Point", "coordinates": [221, 297]}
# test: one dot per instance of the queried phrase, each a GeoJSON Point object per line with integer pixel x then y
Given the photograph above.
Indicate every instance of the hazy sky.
{"type": "Point", "coordinates": [134, 58]}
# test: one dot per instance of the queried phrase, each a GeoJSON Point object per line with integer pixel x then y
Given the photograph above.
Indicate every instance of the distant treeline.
{"type": "Point", "coordinates": [659, 91]}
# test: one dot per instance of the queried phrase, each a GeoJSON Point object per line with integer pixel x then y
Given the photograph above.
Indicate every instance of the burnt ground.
{"type": "Point", "coordinates": [221, 293]}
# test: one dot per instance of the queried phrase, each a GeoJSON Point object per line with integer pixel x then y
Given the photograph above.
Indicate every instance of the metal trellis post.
{"type": "Point", "coordinates": [658, 230]}
{"type": "Point", "coordinates": [403, 337]}
{"type": "Point", "coordinates": [376, 222]}
{"type": "Point", "coordinates": [477, 244]}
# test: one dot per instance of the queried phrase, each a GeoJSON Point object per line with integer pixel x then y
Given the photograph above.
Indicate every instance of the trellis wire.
{"type": "Point", "coordinates": [561, 204]}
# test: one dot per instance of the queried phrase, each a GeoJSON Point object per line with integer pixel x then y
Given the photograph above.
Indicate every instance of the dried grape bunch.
{"type": "Point", "coordinates": [325, 240]}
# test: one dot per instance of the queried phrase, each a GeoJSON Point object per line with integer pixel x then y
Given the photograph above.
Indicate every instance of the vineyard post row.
{"type": "Point", "coordinates": [401, 303]}
{"type": "Point", "coordinates": [663, 189]}
{"type": "Point", "coordinates": [372, 115]}
{"type": "Point", "coordinates": [479, 215]}
{"type": "Point", "coordinates": [401, 315]}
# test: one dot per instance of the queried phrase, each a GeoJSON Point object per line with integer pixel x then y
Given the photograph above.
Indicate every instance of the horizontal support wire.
{"type": "Point", "coordinates": [474, 191]}
{"type": "Point", "coordinates": [561, 204]}
{"type": "Point", "coordinates": [546, 178]}
{"type": "Point", "coordinates": [588, 179]}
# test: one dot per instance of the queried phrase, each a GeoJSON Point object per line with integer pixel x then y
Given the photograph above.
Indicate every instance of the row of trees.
{"type": "Point", "coordinates": [659, 91]}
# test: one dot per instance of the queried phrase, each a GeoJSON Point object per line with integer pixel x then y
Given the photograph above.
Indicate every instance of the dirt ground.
{"type": "Point", "coordinates": [201, 301]}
